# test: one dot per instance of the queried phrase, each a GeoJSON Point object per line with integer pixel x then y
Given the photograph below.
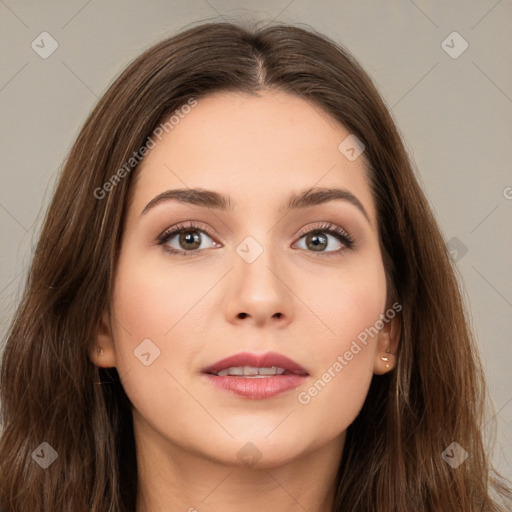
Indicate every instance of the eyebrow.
{"type": "Point", "coordinates": [217, 201]}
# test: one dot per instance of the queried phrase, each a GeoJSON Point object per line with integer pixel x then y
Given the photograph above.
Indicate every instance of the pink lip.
{"type": "Point", "coordinates": [257, 387]}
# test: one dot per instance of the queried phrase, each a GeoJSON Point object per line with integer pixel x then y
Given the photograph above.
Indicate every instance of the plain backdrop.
{"type": "Point", "coordinates": [443, 69]}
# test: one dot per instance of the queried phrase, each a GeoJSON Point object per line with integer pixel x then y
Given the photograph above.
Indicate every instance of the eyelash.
{"type": "Point", "coordinates": [325, 227]}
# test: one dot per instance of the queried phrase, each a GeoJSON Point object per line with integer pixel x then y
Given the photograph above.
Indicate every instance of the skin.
{"type": "Point", "coordinates": [188, 433]}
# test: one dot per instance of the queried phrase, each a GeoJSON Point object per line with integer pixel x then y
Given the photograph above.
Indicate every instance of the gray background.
{"type": "Point", "coordinates": [454, 115]}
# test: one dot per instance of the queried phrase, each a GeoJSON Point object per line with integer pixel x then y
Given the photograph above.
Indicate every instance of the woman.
{"type": "Point", "coordinates": [309, 350]}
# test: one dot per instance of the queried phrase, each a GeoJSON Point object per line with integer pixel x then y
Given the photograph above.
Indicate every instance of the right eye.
{"type": "Point", "coordinates": [188, 235]}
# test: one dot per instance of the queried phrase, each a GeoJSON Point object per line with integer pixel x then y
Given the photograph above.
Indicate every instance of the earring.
{"type": "Point", "coordinates": [386, 358]}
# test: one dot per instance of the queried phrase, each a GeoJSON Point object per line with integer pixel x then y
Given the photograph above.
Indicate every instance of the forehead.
{"type": "Point", "coordinates": [256, 149]}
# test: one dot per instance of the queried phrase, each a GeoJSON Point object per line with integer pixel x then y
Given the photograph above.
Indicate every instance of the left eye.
{"type": "Point", "coordinates": [318, 240]}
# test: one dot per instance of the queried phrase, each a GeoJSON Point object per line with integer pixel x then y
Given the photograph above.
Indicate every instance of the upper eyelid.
{"type": "Point", "coordinates": [323, 226]}
{"type": "Point", "coordinates": [182, 226]}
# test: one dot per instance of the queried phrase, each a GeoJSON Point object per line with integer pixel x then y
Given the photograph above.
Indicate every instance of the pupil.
{"type": "Point", "coordinates": [191, 237]}
{"type": "Point", "coordinates": [317, 240]}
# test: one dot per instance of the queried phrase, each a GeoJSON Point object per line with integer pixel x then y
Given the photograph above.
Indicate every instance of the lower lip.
{"type": "Point", "coordinates": [257, 388]}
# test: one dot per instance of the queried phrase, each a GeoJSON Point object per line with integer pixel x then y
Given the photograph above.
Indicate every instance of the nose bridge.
{"type": "Point", "coordinates": [258, 288]}
{"type": "Point", "coordinates": [256, 255]}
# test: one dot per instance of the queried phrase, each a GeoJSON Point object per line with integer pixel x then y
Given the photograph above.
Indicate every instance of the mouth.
{"type": "Point", "coordinates": [248, 365]}
{"type": "Point", "coordinates": [253, 372]}
{"type": "Point", "coordinates": [256, 376]}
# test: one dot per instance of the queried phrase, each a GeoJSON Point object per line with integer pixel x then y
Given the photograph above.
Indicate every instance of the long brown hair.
{"type": "Point", "coordinates": [50, 390]}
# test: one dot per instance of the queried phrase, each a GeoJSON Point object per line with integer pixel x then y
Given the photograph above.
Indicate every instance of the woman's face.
{"type": "Point", "coordinates": [250, 278]}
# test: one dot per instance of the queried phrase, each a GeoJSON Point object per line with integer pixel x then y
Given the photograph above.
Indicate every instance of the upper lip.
{"type": "Point", "coordinates": [266, 360]}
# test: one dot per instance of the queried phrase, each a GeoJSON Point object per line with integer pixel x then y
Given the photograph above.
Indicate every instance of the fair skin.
{"type": "Point", "coordinates": [188, 433]}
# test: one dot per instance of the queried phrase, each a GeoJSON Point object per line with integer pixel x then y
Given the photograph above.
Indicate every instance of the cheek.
{"type": "Point", "coordinates": [152, 300]}
{"type": "Point", "coordinates": [345, 300]}
{"type": "Point", "coordinates": [158, 318]}
{"type": "Point", "coordinates": [345, 356]}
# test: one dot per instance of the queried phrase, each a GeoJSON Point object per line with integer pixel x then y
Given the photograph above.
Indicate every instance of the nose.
{"type": "Point", "coordinates": [259, 294]}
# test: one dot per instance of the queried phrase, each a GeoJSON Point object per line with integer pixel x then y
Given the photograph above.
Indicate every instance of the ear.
{"type": "Point", "coordinates": [387, 346]}
{"type": "Point", "coordinates": [103, 352]}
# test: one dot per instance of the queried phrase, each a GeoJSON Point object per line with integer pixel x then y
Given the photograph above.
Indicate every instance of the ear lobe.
{"type": "Point", "coordinates": [103, 351]}
{"type": "Point", "coordinates": [387, 346]}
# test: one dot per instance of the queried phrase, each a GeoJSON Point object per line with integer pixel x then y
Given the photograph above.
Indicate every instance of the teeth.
{"type": "Point", "coordinates": [251, 371]}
